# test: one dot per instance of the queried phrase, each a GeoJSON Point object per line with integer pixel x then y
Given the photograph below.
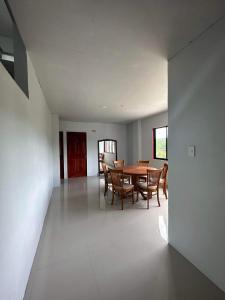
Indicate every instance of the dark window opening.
{"type": "Point", "coordinates": [13, 54]}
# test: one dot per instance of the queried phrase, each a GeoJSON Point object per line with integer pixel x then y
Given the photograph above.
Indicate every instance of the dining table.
{"type": "Point", "coordinates": [135, 171]}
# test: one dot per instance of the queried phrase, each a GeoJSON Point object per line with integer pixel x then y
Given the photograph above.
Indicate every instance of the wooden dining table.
{"type": "Point", "coordinates": [135, 171]}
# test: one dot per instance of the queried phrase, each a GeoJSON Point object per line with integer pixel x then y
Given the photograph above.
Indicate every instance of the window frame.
{"type": "Point", "coordinates": [154, 143]}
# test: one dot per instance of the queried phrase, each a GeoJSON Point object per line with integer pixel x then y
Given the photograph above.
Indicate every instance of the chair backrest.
{"type": "Point", "coordinates": [101, 156]}
{"type": "Point", "coordinates": [153, 177]}
{"type": "Point", "coordinates": [144, 163]}
{"type": "Point", "coordinates": [104, 168]}
{"type": "Point", "coordinates": [164, 171]}
{"type": "Point", "coordinates": [117, 178]}
{"type": "Point", "coordinates": [105, 171]}
{"type": "Point", "coordinates": [118, 163]}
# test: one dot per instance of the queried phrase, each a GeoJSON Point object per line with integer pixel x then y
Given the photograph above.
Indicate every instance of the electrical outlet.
{"type": "Point", "coordinates": [191, 151]}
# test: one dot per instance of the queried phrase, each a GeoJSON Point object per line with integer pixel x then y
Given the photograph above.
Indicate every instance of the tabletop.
{"type": "Point", "coordinates": [135, 170]}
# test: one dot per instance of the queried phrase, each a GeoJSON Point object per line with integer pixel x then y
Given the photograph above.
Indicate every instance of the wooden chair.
{"type": "Point", "coordinates": [121, 164]}
{"type": "Point", "coordinates": [144, 163]}
{"type": "Point", "coordinates": [118, 185]}
{"type": "Point", "coordinates": [151, 186]}
{"type": "Point", "coordinates": [163, 179]}
{"type": "Point", "coordinates": [107, 177]}
{"type": "Point", "coordinates": [118, 163]}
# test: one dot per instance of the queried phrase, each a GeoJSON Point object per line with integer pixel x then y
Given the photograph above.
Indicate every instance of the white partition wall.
{"type": "Point", "coordinates": [197, 183]}
{"type": "Point", "coordinates": [25, 179]}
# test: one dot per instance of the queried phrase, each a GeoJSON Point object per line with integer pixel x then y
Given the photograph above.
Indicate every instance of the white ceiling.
{"type": "Point", "coordinates": [105, 60]}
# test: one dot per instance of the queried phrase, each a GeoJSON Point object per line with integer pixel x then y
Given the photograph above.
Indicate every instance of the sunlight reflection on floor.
{"type": "Point", "coordinates": [163, 228]}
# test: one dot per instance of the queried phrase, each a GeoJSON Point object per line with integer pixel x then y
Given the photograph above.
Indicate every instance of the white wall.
{"type": "Point", "coordinates": [103, 131]}
{"type": "Point", "coordinates": [147, 125]}
{"type": "Point", "coordinates": [25, 179]}
{"type": "Point", "coordinates": [55, 145]}
{"type": "Point", "coordinates": [197, 185]}
{"type": "Point", "coordinates": [139, 138]}
{"type": "Point", "coordinates": [134, 142]}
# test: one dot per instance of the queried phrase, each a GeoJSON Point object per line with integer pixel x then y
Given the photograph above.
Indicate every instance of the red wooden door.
{"type": "Point", "coordinates": [77, 154]}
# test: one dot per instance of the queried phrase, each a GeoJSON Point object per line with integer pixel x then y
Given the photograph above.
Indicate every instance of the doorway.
{"type": "Point", "coordinates": [77, 154]}
{"type": "Point", "coordinates": [107, 153]}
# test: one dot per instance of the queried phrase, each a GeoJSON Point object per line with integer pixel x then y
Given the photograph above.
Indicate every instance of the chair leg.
{"type": "Point", "coordinates": [137, 196]}
{"type": "Point", "coordinates": [121, 198]}
{"type": "Point", "coordinates": [164, 190]}
{"type": "Point", "coordinates": [158, 197]}
{"type": "Point", "coordinates": [106, 188]}
{"type": "Point", "coordinates": [113, 192]}
{"type": "Point", "coordinates": [133, 196]}
{"type": "Point", "coordinates": [149, 195]}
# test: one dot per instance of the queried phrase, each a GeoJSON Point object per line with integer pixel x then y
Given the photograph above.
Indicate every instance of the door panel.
{"type": "Point", "coordinates": [77, 154]}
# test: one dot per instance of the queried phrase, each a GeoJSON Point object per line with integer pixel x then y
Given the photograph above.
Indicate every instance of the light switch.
{"type": "Point", "coordinates": [191, 151]}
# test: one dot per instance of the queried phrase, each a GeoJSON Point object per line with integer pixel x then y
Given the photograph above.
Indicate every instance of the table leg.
{"type": "Point", "coordinates": [134, 179]}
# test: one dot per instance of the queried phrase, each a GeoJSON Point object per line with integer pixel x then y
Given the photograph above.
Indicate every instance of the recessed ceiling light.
{"type": "Point", "coordinates": [104, 107]}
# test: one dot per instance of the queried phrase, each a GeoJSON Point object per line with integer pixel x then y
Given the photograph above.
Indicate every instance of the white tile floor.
{"type": "Point", "coordinates": [92, 251]}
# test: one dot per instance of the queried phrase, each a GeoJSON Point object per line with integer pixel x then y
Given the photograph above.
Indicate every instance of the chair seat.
{"type": "Point", "coordinates": [124, 187]}
{"type": "Point", "coordinates": [144, 186]}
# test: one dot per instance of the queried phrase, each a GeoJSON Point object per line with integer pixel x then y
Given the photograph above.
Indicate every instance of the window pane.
{"type": "Point", "coordinates": [106, 146]}
{"type": "Point", "coordinates": [114, 150]}
{"type": "Point", "coordinates": [101, 147]}
{"type": "Point", "coordinates": [160, 140]}
{"type": "Point", "coordinates": [110, 147]}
